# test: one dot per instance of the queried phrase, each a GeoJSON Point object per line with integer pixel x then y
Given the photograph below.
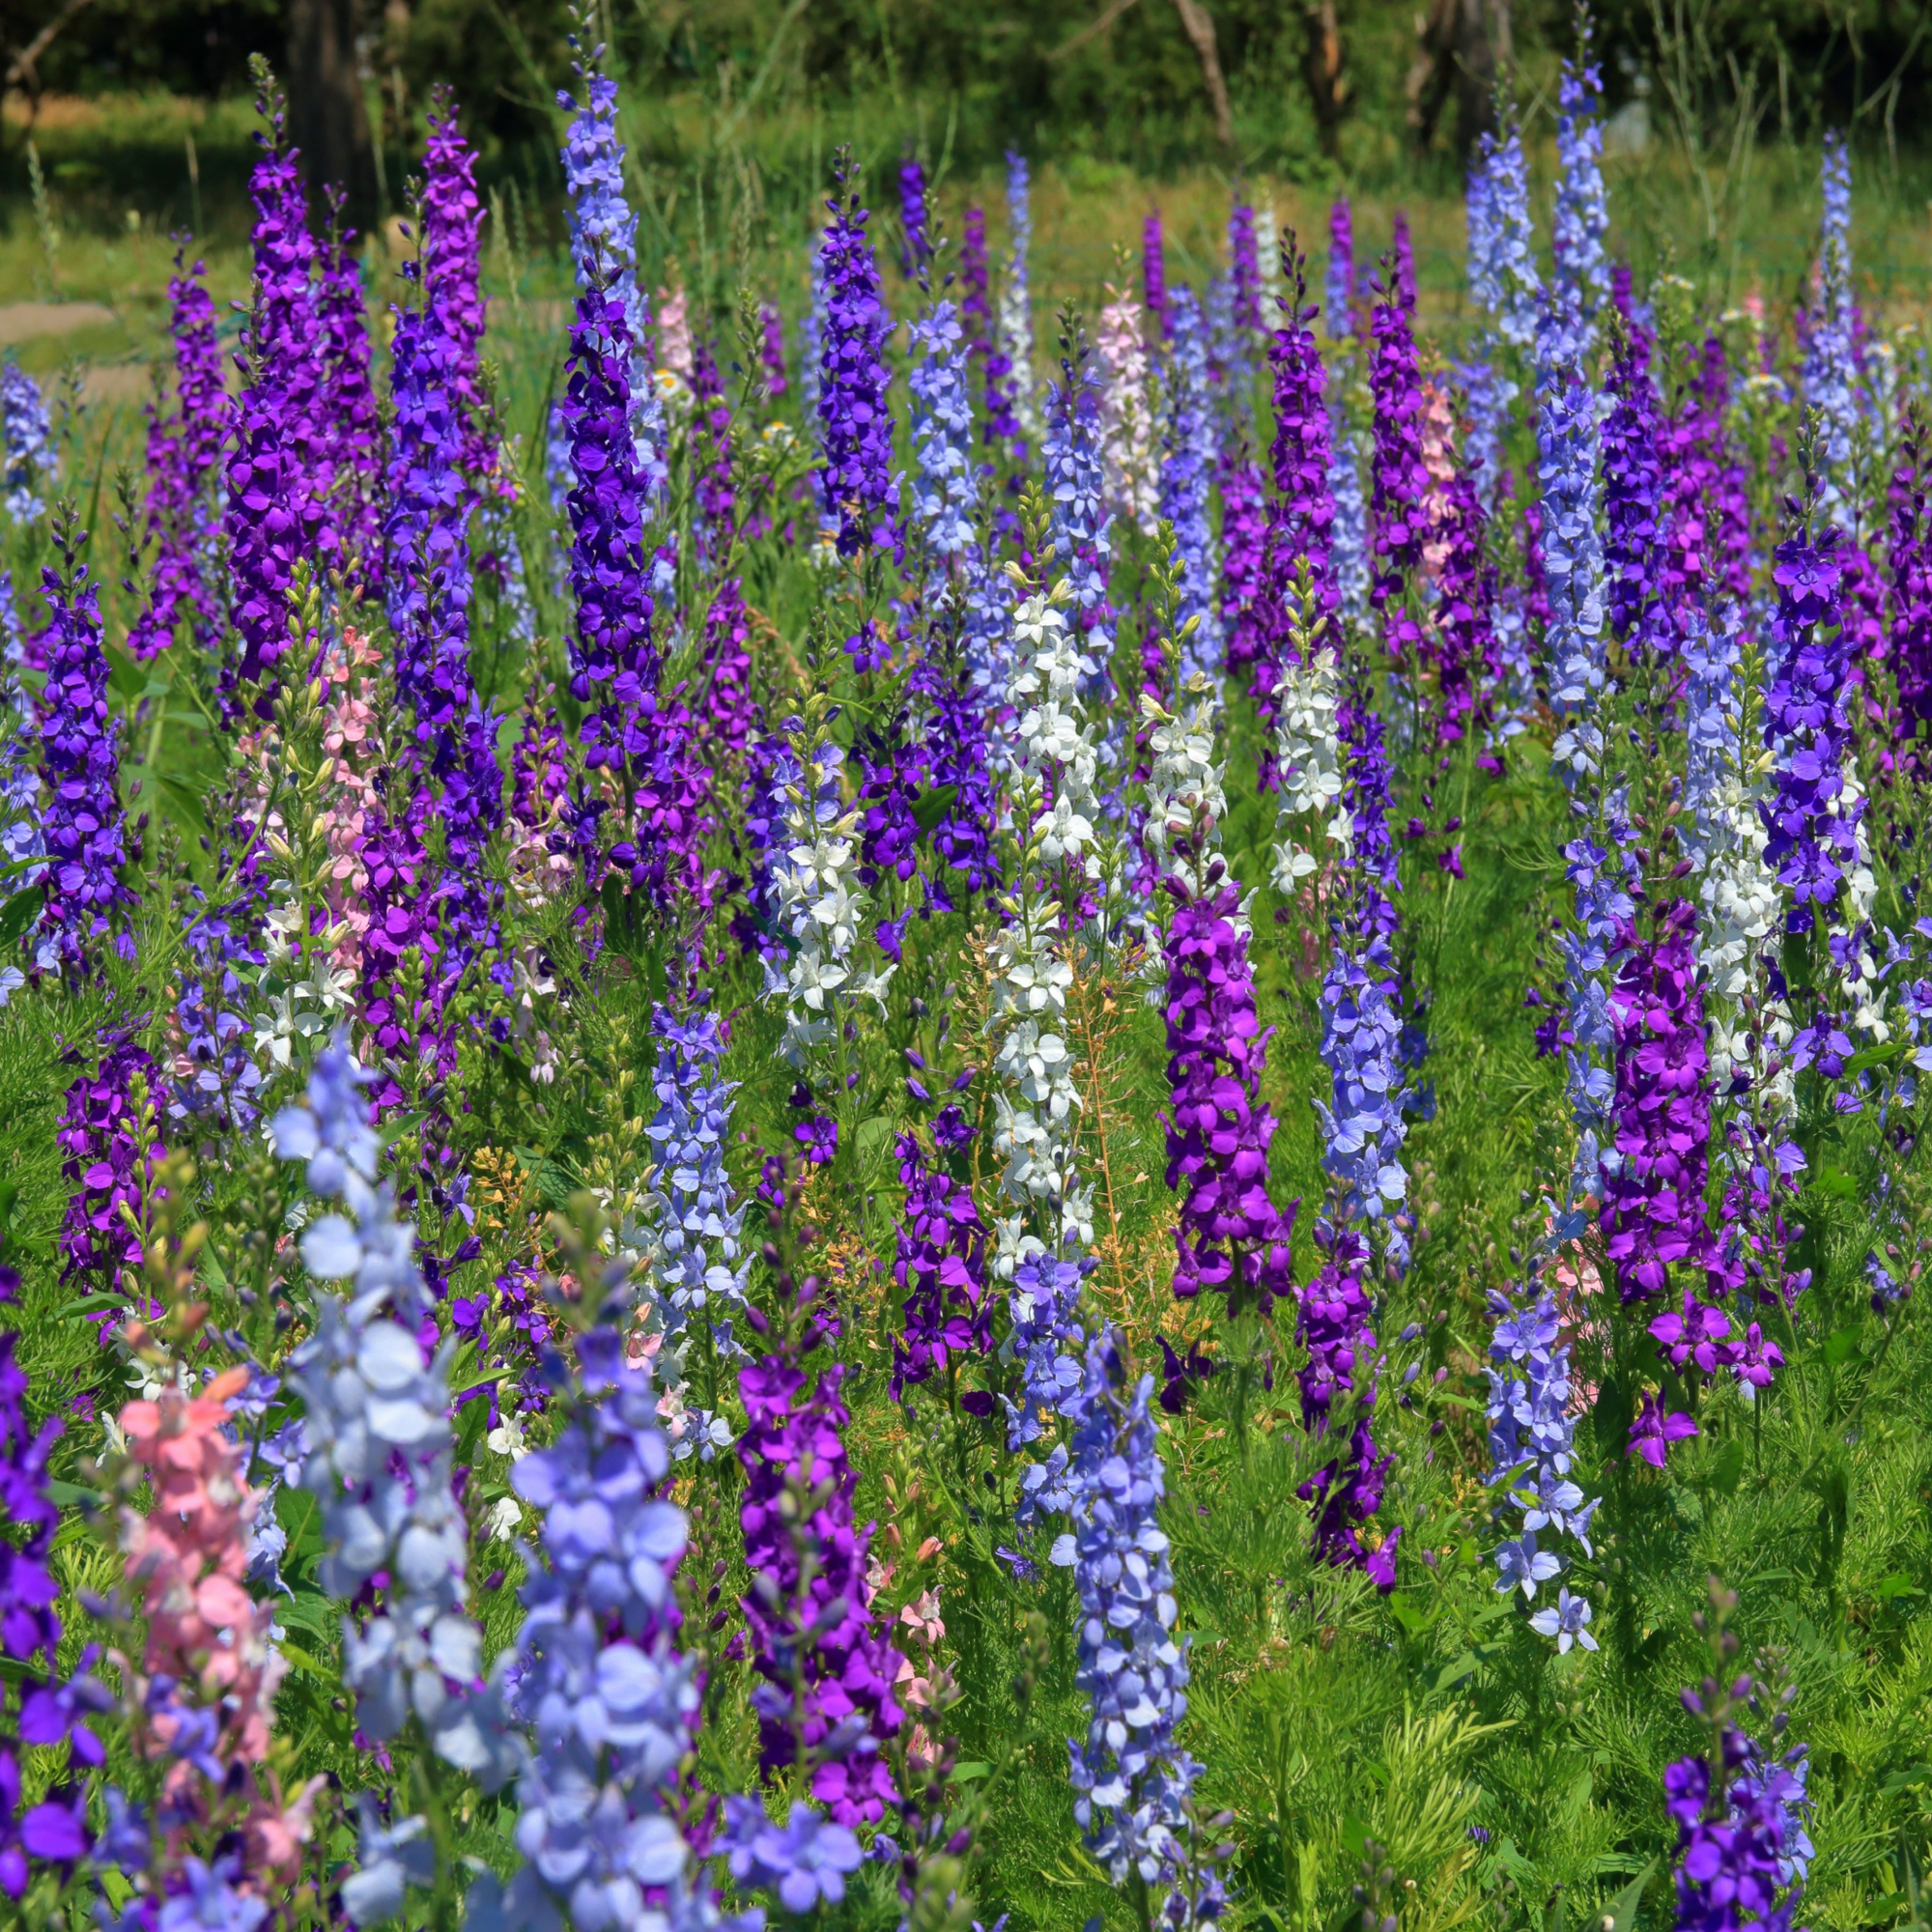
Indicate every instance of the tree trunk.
{"type": "Point", "coordinates": [327, 118]}
{"type": "Point", "coordinates": [1322, 71]}
{"type": "Point", "coordinates": [1199, 26]}
{"type": "Point", "coordinates": [1461, 48]}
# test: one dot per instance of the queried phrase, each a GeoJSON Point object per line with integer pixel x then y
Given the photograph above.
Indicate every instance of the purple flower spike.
{"type": "Point", "coordinates": [1154, 275]}
{"type": "Point", "coordinates": [1653, 1213]}
{"type": "Point", "coordinates": [854, 422]}
{"type": "Point", "coordinates": [183, 447]}
{"type": "Point", "coordinates": [81, 768]}
{"type": "Point", "coordinates": [278, 471]}
{"type": "Point", "coordinates": [1339, 291]}
{"type": "Point", "coordinates": [941, 1268]}
{"type": "Point", "coordinates": [828, 1669]}
{"type": "Point", "coordinates": [110, 1156]}
{"type": "Point", "coordinates": [1398, 505]}
{"type": "Point", "coordinates": [1230, 1238]}
{"type": "Point", "coordinates": [915, 248]}
{"type": "Point", "coordinates": [1338, 1387]}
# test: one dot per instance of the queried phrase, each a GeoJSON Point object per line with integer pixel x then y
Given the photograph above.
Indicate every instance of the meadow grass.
{"type": "Point", "coordinates": [1506, 1787]}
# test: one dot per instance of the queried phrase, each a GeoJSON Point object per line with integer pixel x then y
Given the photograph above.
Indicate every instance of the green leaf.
{"type": "Point", "coordinates": [962, 1772]}
{"type": "Point", "coordinates": [306, 1609]}
{"type": "Point", "coordinates": [1878, 1056]}
{"type": "Point", "coordinates": [1886, 1588]}
{"type": "Point", "coordinates": [1727, 1466]}
{"type": "Point", "coordinates": [1844, 1344]}
{"type": "Point", "coordinates": [19, 913]}
{"type": "Point", "coordinates": [1622, 1915]}
{"type": "Point", "coordinates": [183, 803]}
{"type": "Point", "coordinates": [1410, 1615]}
{"type": "Point", "coordinates": [930, 807]}
{"type": "Point", "coordinates": [302, 1660]}
{"type": "Point", "coordinates": [71, 1496]}
{"type": "Point", "coordinates": [1833, 1180]}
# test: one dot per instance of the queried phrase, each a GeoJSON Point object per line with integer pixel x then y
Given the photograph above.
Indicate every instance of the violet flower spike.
{"type": "Point", "coordinates": [854, 422]}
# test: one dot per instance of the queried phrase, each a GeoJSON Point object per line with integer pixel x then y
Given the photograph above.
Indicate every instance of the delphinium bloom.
{"type": "Point", "coordinates": [714, 499]}
{"type": "Point", "coordinates": [855, 423]}
{"type": "Point", "coordinates": [80, 769]}
{"type": "Point", "coordinates": [26, 444]}
{"type": "Point", "coordinates": [1186, 484]}
{"type": "Point", "coordinates": [452, 221]}
{"type": "Point", "coordinates": [1362, 1124]}
{"type": "Point", "coordinates": [47, 1713]}
{"type": "Point", "coordinates": [1187, 783]}
{"type": "Point", "coordinates": [1056, 817]}
{"type": "Point", "coordinates": [1580, 217]}
{"type": "Point", "coordinates": [698, 1260]}
{"type": "Point", "coordinates": [609, 1702]}
{"type": "Point", "coordinates": [426, 579]}
{"type": "Point", "coordinates": [1153, 275]}
{"type": "Point", "coordinates": [1777, 1778]}
{"type": "Point", "coordinates": [1814, 811]}
{"type": "Point", "coordinates": [1709, 649]}
{"type": "Point", "coordinates": [1338, 294]}
{"type": "Point", "coordinates": [942, 496]}
{"type": "Point", "coordinates": [1401, 254]}
{"type": "Point", "coordinates": [373, 1408]}
{"type": "Point", "coordinates": [111, 1138]}
{"type": "Point", "coordinates": [916, 239]}
{"type": "Point", "coordinates": [1911, 559]}
{"type": "Point", "coordinates": [604, 253]}
{"type": "Point", "coordinates": [1738, 1831]}
{"type": "Point", "coordinates": [1653, 1194]}
{"type": "Point", "coordinates": [1230, 1238]}
{"type": "Point", "coordinates": [1302, 506]}
{"type": "Point", "coordinates": [1243, 538]}
{"type": "Point", "coordinates": [1077, 493]}
{"type": "Point", "coordinates": [940, 1266]}
{"type": "Point", "coordinates": [999, 427]}
{"type": "Point", "coordinates": [1127, 414]}
{"type": "Point", "coordinates": [826, 1700]}
{"type": "Point", "coordinates": [1016, 322]}
{"type": "Point", "coordinates": [1831, 364]}
{"type": "Point", "coordinates": [20, 836]}
{"type": "Point", "coordinates": [1634, 516]}
{"type": "Point", "coordinates": [396, 891]}
{"type": "Point", "coordinates": [276, 513]}
{"type": "Point", "coordinates": [1363, 1133]}
{"type": "Point", "coordinates": [1573, 564]}
{"type": "Point", "coordinates": [1465, 583]}
{"type": "Point", "coordinates": [613, 657]}
{"type": "Point", "coordinates": [1397, 506]}
{"type": "Point", "coordinates": [1267, 270]}
{"type": "Point", "coordinates": [819, 902]}
{"type": "Point", "coordinates": [1244, 269]}
{"type": "Point", "coordinates": [183, 447]}
{"type": "Point", "coordinates": [1131, 1778]}
{"type": "Point", "coordinates": [215, 1075]}
{"type": "Point", "coordinates": [1532, 1450]}
{"type": "Point", "coordinates": [203, 1687]}
{"type": "Point", "coordinates": [1349, 545]}
{"type": "Point", "coordinates": [1307, 752]}
{"type": "Point", "coordinates": [1503, 283]}
{"type": "Point", "coordinates": [675, 346]}
{"type": "Point", "coordinates": [1338, 1384]}
{"type": "Point", "coordinates": [772, 350]}
{"type": "Point", "coordinates": [349, 430]}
